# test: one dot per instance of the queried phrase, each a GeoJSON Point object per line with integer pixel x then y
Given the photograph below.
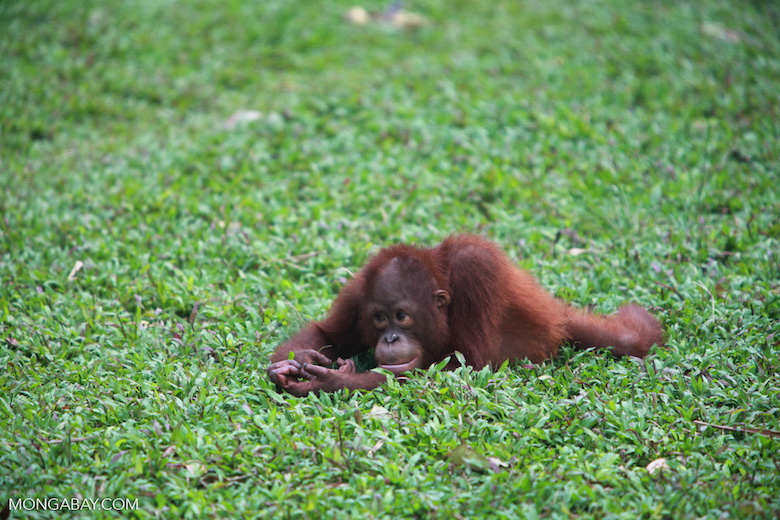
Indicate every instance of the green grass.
{"type": "Point", "coordinates": [645, 133]}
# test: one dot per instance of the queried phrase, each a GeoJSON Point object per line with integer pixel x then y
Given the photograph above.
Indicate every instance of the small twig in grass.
{"type": "Point", "coordinates": [194, 315]}
{"type": "Point", "coordinates": [238, 478]}
{"type": "Point", "coordinates": [768, 433]}
{"type": "Point", "coordinates": [72, 439]}
{"type": "Point", "coordinates": [122, 328]}
{"type": "Point", "coordinates": [712, 298]}
{"type": "Point", "coordinates": [670, 288]}
{"type": "Point", "coordinates": [300, 258]}
{"type": "Point", "coordinates": [292, 260]}
{"type": "Point", "coordinates": [213, 479]}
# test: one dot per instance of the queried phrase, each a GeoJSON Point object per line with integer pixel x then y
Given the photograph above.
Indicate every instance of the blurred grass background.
{"type": "Point", "coordinates": [180, 181]}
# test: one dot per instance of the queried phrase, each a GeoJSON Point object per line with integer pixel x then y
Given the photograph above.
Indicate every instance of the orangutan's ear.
{"type": "Point", "coordinates": [442, 298]}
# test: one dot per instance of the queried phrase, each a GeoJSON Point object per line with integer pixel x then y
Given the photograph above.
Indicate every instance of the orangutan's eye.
{"type": "Point", "coordinates": [403, 319]}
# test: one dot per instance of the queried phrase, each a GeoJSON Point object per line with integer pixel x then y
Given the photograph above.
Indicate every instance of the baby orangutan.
{"type": "Point", "coordinates": [416, 306]}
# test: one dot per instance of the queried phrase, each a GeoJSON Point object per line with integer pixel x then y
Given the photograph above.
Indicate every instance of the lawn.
{"type": "Point", "coordinates": [183, 184]}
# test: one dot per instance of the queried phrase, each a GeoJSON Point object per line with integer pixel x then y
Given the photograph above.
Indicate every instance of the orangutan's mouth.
{"type": "Point", "coordinates": [400, 368]}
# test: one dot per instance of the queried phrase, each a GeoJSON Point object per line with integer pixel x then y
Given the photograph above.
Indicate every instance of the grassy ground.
{"type": "Point", "coordinates": [152, 255]}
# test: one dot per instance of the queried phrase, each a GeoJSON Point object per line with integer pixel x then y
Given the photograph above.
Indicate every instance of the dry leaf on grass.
{"type": "Point", "coordinates": [241, 116]}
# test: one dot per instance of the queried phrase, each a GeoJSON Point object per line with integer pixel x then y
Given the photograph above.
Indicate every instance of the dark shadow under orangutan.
{"type": "Point", "coordinates": [416, 306]}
